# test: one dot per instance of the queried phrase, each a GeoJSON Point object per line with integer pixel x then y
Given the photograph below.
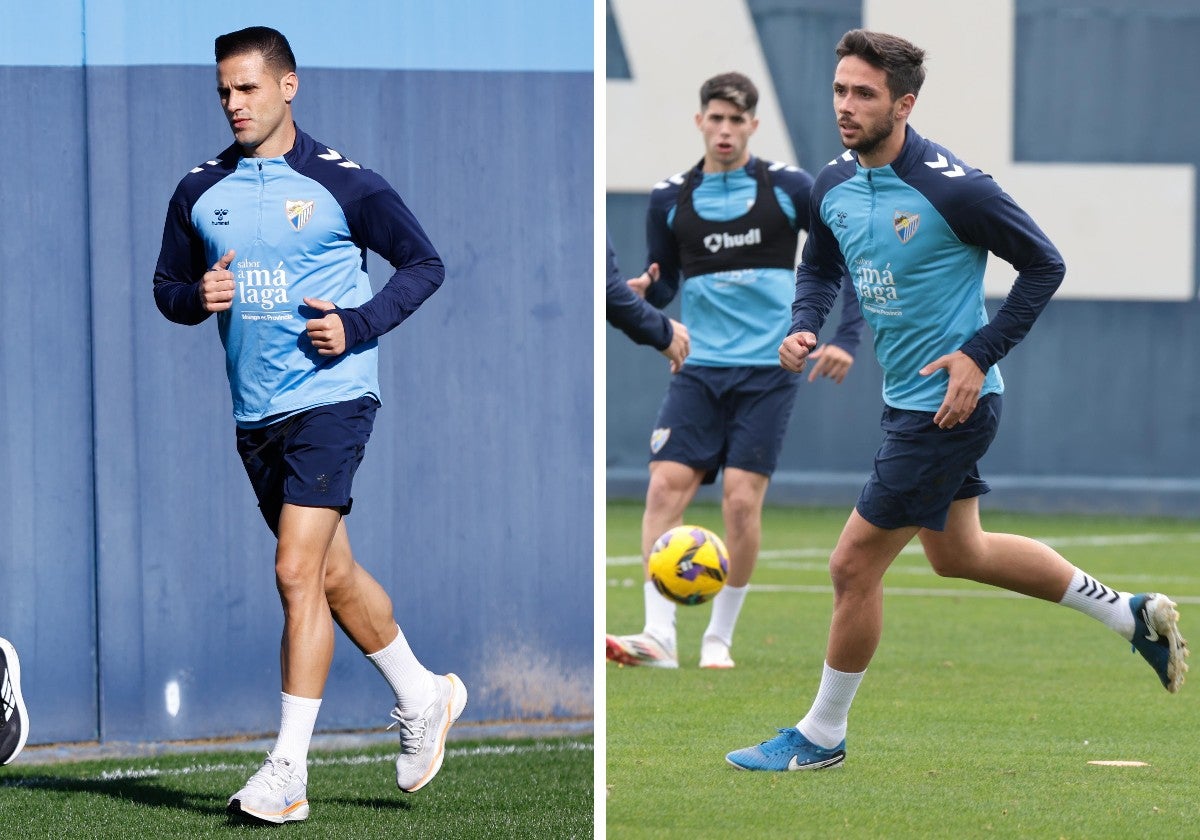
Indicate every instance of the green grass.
{"type": "Point", "coordinates": [489, 790]}
{"type": "Point", "coordinates": [977, 717]}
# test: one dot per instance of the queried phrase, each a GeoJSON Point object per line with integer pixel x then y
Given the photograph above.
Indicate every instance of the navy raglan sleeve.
{"type": "Point", "coordinates": [662, 246]}
{"type": "Point", "coordinates": [381, 222]}
{"type": "Point", "coordinates": [998, 224]}
{"type": "Point", "coordinates": [799, 186]}
{"type": "Point", "coordinates": [822, 272]}
{"type": "Point", "coordinates": [181, 264]}
{"type": "Point", "coordinates": [850, 328]}
{"type": "Point", "coordinates": [632, 315]}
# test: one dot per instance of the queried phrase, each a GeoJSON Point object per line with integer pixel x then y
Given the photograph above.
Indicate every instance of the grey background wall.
{"type": "Point", "coordinates": [135, 572]}
{"type": "Point", "coordinates": [1102, 411]}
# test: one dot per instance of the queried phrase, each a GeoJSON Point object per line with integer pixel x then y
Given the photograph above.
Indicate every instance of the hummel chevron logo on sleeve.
{"type": "Point", "coordinates": [942, 163]}
{"type": "Point", "coordinates": [332, 155]}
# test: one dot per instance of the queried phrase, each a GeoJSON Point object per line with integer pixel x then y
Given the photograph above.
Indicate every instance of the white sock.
{"type": "Point", "coordinates": [297, 720]}
{"type": "Point", "coordinates": [825, 723]}
{"type": "Point", "coordinates": [725, 610]}
{"type": "Point", "coordinates": [1091, 597]}
{"type": "Point", "coordinates": [411, 682]}
{"type": "Point", "coordinates": [660, 615]}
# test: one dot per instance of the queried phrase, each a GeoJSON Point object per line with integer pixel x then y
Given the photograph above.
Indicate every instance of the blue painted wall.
{"type": "Point", "coordinates": [133, 556]}
{"type": "Point", "coordinates": [1102, 411]}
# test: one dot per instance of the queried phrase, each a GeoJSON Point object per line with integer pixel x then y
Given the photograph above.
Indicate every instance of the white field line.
{"type": "Point", "coordinates": [915, 548]}
{"type": "Point", "coordinates": [340, 761]}
{"type": "Point", "coordinates": [785, 559]}
{"type": "Point", "coordinates": [919, 592]}
{"type": "Point", "coordinates": [929, 593]}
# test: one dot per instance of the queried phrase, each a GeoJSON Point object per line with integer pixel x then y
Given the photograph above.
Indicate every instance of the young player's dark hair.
{"type": "Point", "coordinates": [275, 49]}
{"type": "Point", "coordinates": [903, 62]}
{"type": "Point", "coordinates": [733, 88]}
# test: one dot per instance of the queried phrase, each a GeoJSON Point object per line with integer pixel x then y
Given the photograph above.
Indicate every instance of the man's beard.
{"type": "Point", "coordinates": [871, 140]}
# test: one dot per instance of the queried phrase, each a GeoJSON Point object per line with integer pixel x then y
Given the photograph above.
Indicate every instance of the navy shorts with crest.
{"type": "Point", "coordinates": [734, 417]}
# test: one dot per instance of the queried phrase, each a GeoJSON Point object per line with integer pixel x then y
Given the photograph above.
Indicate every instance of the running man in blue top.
{"type": "Point", "coordinates": [271, 236]}
{"type": "Point", "coordinates": [728, 228]}
{"type": "Point", "coordinates": [914, 224]}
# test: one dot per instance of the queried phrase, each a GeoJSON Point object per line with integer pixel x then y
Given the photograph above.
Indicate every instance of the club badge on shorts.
{"type": "Point", "coordinates": [658, 439]}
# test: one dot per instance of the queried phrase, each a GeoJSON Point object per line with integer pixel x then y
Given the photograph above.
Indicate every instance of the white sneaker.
{"type": "Point", "coordinates": [275, 794]}
{"type": "Point", "coordinates": [423, 738]}
{"type": "Point", "coordinates": [714, 653]}
{"type": "Point", "coordinates": [640, 649]}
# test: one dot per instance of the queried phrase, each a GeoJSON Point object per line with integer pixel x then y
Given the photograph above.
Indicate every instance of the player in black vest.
{"type": "Point", "coordinates": [725, 231]}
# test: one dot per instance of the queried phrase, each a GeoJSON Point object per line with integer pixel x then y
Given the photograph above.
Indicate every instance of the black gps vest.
{"type": "Point", "coordinates": [762, 238]}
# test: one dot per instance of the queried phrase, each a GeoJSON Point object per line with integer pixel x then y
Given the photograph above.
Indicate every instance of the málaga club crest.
{"type": "Point", "coordinates": [298, 212]}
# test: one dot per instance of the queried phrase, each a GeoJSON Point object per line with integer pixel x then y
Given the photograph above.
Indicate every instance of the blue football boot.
{"type": "Point", "coordinates": [789, 750]}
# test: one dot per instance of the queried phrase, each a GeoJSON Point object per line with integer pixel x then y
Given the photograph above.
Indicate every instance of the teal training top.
{"type": "Point", "coordinates": [300, 225]}
{"type": "Point", "coordinates": [915, 236]}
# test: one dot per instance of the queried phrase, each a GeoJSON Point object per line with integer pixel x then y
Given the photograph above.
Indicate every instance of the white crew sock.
{"type": "Point", "coordinates": [411, 682]}
{"type": "Point", "coordinates": [825, 723]}
{"type": "Point", "coordinates": [725, 610]}
{"type": "Point", "coordinates": [1089, 596]}
{"type": "Point", "coordinates": [297, 720]}
{"type": "Point", "coordinates": [660, 615]}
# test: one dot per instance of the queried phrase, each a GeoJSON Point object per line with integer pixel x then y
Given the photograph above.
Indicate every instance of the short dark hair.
{"type": "Point", "coordinates": [733, 88]}
{"type": "Point", "coordinates": [275, 49]}
{"type": "Point", "coordinates": [903, 62]}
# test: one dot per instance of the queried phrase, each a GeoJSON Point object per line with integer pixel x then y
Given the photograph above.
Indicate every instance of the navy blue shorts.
{"type": "Point", "coordinates": [308, 459]}
{"type": "Point", "coordinates": [920, 469]}
{"type": "Point", "coordinates": [732, 417]}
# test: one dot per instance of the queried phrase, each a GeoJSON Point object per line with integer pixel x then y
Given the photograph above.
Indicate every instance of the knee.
{"type": "Point", "coordinates": [338, 578]}
{"type": "Point", "coordinates": [741, 509]}
{"type": "Point", "coordinates": [951, 561]}
{"type": "Point", "coordinates": [944, 563]}
{"type": "Point", "coordinates": [852, 572]}
{"type": "Point", "coordinates": [844, 571]}
{"type": "Point", "coordinates": [294, 577]}
{"type": "Point", "coordinates": [665, 492]}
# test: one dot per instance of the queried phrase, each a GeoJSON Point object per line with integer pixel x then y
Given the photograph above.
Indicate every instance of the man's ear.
{"type": "Point", "coordinates": [290, 85]}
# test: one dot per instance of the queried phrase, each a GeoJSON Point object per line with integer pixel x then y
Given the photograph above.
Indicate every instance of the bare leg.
{"type": "Point", "coordinates": [359, 604]}
{"type": "Point", "coordinates": [741, 506]}
{"type": "Point", "coordinates": [862, 555]}
{"type": "Point", "coordinates": [672, 488]}
{"type": "Point", "coordinates": [1012, 562]}
{"type": "Point", "coordinates": [305, 534]}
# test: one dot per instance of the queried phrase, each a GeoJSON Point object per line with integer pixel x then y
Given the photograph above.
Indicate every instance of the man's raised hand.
{"type": "Point", "coordinates": [793, 353]}
{"type": "Point", "coordinates": [326, 333]}
{"type": "Point", "coordinates": [216, 286]}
